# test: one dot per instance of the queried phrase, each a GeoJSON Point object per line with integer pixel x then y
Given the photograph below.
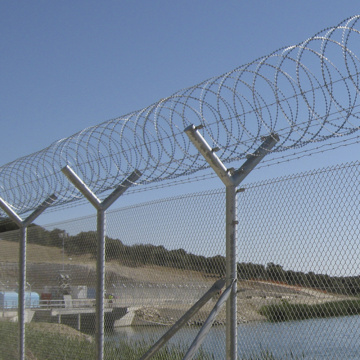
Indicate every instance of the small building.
{"type": "Point", "coordinates": [31, 299]}
{"type": "Point", "coordinates": [91, 293]}
{"type": "Point", "coordinates": [8, 300]}
{"type": "Point", "coordinates": [78, 292]}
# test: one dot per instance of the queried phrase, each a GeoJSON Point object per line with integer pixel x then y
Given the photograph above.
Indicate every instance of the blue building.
{"type": "Point", "coordinates": [9, 300]}
{"type": "Point", "coordinates": [31, 299]}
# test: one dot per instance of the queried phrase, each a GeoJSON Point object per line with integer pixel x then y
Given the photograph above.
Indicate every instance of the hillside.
{"type": "Point", "coordinates": [156, 263]}
{"type": "Point", "coordinates": [9, 252]}
{"type": "Point", "coordinates": [46, 263]}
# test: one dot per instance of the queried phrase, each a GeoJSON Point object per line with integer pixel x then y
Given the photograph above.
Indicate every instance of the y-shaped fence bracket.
{"type": "Point", "coordinates": [23, 224]}
{"type": "Point", "coordinates": [101, 207]}
{"type": "Point", "coordinates": [231, 178]}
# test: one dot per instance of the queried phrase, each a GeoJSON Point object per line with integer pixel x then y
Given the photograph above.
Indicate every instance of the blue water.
{"type": "Point", "coordinates": [335, 338]}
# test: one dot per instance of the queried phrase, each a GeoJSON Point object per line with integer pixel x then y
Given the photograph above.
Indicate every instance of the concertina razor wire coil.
{"type": "Point", "coordinates": [306, 93]}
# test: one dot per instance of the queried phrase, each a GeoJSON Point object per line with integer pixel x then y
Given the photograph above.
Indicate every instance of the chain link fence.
{"type": "Point", "coordinates": [298, 274]}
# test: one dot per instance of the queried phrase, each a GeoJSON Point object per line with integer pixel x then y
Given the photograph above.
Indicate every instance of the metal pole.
{"type": "Point", "coordinates": [207, 324]}
{"type": "Point", "coordinates": [21, 296]}
{"type": "Point", "coordinates": [101, 207]}
{"type": "Point", "coordinates": [63, 251]}
{"type": "Point", "coordinates": [184, 319]}
{"type": "Point", "coordinates": [231, 180]}
{"type": "Point", "coordinates": [100, 284]}
{"type": "Point", "coordinates": [23, 224]}
{"type": "Point", "coordinates": [231, 273]}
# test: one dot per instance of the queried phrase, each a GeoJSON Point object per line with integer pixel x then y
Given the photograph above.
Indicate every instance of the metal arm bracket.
{"type": "Point", "coordinates": [228, 176]}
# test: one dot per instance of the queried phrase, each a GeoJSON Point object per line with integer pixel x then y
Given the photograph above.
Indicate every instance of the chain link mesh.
{"type": "Point", "coordinates": [299, 264]}
{"type": "Point", "coordinates": [298, 274]}
{"type": "Point", "coordinates": [9, 268]}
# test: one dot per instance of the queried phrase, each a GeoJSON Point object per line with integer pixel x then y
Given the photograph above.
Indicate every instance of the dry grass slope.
{"type": "Point", "coordinates": [45, 263]}
{"type": "Point", "coordinates": [52, 256]}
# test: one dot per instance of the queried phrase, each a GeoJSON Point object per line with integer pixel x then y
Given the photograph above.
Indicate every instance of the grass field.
{"type": "Point", "coordinates": [289, 312]}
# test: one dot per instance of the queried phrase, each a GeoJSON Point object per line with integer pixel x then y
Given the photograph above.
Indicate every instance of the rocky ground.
{"type": "Point", "coordinates": [252, 295]}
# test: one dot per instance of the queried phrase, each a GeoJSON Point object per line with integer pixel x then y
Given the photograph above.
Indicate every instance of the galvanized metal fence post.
{"type": "Point", "coordinates": [231, 272]}
{"type": "Point", "coordinates": [100, 283]}
{"type": "Point", "coordinates": [101, 208]}
{"type": "Point", "coordinates": [231, 179]}
{"type": "Point", "coordinates": [23, 224]}
{"type": "Point", "coordinates": [21, 293]}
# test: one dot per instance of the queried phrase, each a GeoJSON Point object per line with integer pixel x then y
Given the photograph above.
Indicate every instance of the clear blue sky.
{"type": "Point", "coordinates": [67, 65]}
